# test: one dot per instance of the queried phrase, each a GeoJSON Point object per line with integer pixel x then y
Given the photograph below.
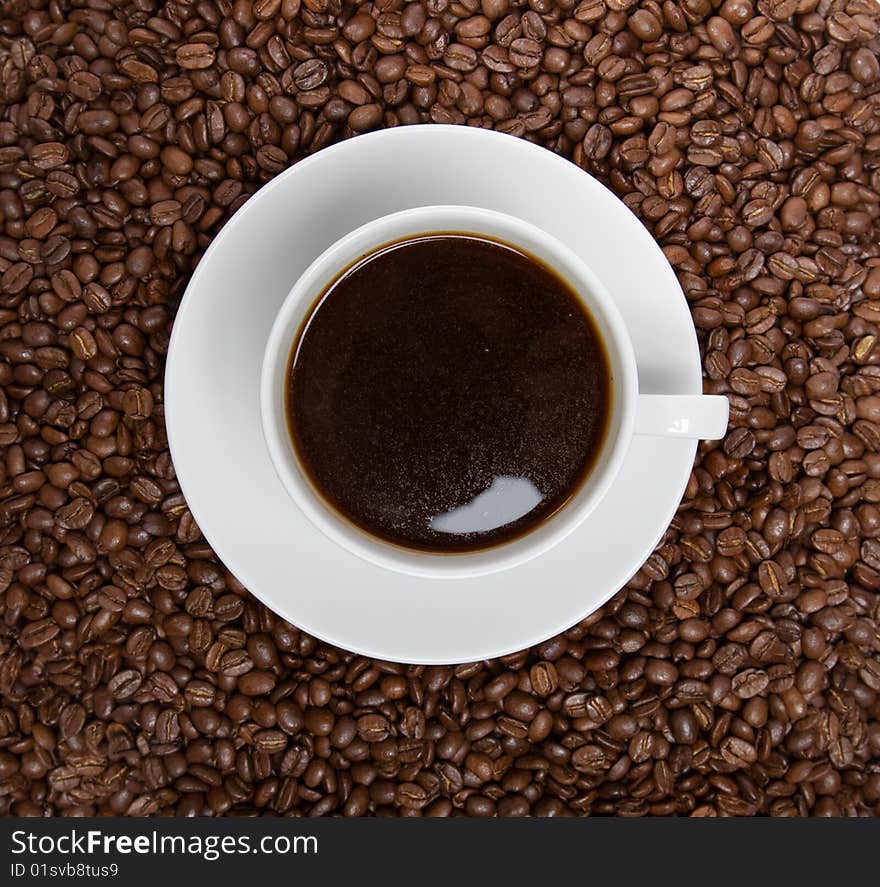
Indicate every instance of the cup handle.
{"type": "Point", "coordinates": [691, 416]}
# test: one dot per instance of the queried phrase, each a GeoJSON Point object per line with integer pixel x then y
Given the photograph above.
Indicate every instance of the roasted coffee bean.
{"type": "Point", "coordinates": [195, 56]}
{"type": "Point", "coordinates": [543, 678]}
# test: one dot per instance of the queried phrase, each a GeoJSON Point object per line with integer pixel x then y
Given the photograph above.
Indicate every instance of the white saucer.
{"type": "Point", "coordinates": [212, 398]}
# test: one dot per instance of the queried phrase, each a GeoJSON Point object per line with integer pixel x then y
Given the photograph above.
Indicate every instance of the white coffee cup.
{"type": "Point", "coordinates": [689, 416]}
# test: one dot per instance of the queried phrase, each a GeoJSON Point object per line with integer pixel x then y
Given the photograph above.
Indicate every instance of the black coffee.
{"type": "Point", "coordinates": [448, 393]}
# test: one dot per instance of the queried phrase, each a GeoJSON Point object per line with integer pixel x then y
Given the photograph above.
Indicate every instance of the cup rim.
{"type": "Point", "coordinates": [369, 238]}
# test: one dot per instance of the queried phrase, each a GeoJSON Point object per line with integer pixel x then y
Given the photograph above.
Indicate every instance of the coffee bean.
{"type": "Point", "coordinates": [520, 705]}
{"type": "Point", "coordinates": [195, 56]}
{"type": "Point", "coordinates": [124, 684]}
{"type": "Point", "coordinates": [659, 672]}
{"type": "Point", "coordinates": [256, 683]}
{"type": "Point", "coordinates": [543, 678]}
{"type": "Point", "coordinates": [270, 741]}
{"type": "Point", "coordinates": [310, 74]}
{"type": "Point", "coordinates": [16, 278]}
{"type": "Point", "coordinates": [525, 53]}
{"type": "Point", "coordinates": [37, 633]}
{"type": "Point", "coordinates": [137, 403]}
{"type": "Point", "coordinates": [749, 683]}
{"type": "Point", "coordinates": [49, 156]}
{"type": "Point", "coordinates": [589, 759]}
{"type": "Point", "coordinates": [373, 728]}
{"type": "Point", "coordinates": [365, 117]}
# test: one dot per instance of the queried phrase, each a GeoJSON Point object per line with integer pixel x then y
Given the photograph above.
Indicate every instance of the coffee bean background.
{"type": "Point", "coordinates": [738, 672]}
